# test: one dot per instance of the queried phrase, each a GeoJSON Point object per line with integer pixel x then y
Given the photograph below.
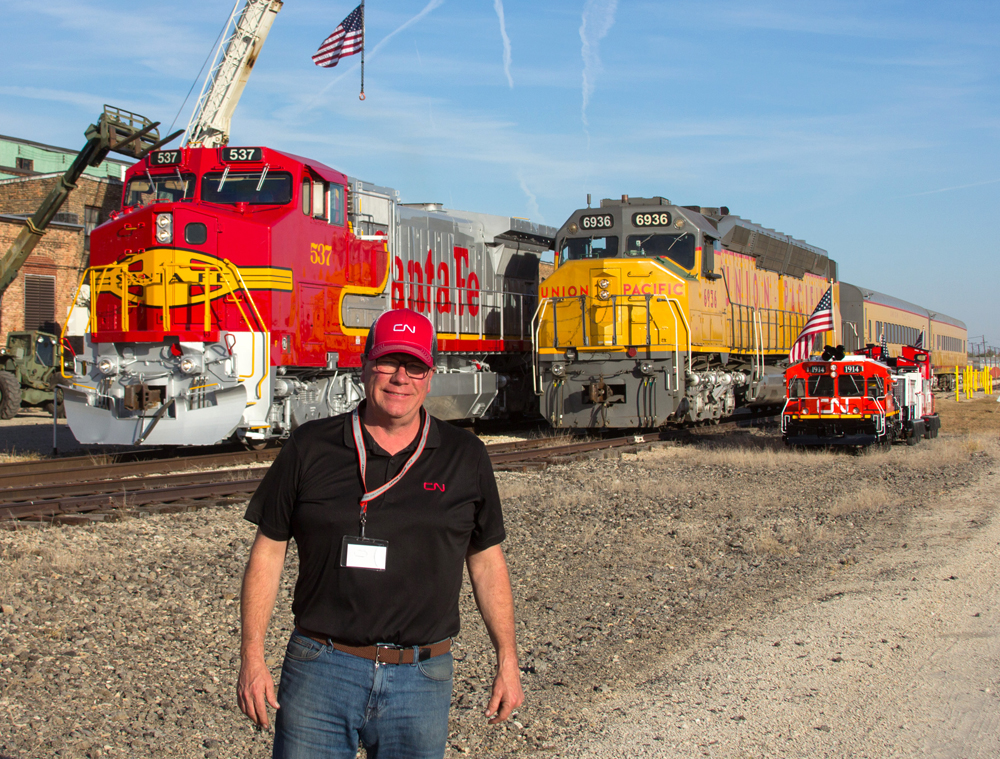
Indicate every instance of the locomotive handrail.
{"type": "Point", "coordinates": [534, 343]}
{"type": "Point", "coordinates": [62, 332]}
{"type": "Point", "coordinates": [676, 304]}
{"type": "Point", "coordinates": [253, 335]}
{"type": "Point", "coordinates": [101, 279]}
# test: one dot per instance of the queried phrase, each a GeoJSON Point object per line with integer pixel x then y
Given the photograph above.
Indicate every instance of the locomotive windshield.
{"type": "Point", "coordinates": [258, 188]}
{"type": "Point", "coordinates": [678, 248]}
{"type": "Point", "coordinates": [821, 386]}
{"type": "Point", "coordinates": [159, 187]}
{"type": "Point", "coordinates": [850, 386]}
{"type": "Point", "coordinates": [581, 248]}
{"type": "Point", "coordinates": [875, 388]}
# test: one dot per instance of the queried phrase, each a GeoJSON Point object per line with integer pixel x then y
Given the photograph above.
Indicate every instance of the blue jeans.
{"type": "Point", "coordinates": [330, 700]}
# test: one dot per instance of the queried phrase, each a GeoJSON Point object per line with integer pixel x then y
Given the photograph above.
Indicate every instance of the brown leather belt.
{"type": "Point", "coordinates": [383, 654]}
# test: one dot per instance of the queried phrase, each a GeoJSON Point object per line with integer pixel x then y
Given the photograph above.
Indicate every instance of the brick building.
{"type": "Point", "coordinates": [43, 291]}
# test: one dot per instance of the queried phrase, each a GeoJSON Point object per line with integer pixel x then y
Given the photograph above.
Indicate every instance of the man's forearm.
{"type": "Point", "coordinates": [491, 587]}
{"type": "Point", "coordinates": [260, 589]}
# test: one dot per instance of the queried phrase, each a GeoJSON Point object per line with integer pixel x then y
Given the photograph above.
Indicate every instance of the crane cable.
{"type": "Point", "coordinates": [198, 77]}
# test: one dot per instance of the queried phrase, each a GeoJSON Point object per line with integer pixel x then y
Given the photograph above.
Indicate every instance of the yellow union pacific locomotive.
{"type": "Point", "coordinates": [660, 313]}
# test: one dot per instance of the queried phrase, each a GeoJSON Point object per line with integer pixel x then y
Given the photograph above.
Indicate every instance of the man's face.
{"type": "Point", "coordinates": [397, 395]}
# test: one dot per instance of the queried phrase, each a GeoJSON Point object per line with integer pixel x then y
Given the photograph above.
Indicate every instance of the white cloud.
{"type": "Point", "coordinates": [498, 6]}
{"type": "Point", "coordinates": [598, 18]}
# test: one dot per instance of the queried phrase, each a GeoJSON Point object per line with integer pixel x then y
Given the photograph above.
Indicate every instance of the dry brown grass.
{"type": "Point", "coordinates": [978, 415]}
{"type": "Point", "coordinates": [870, 498]}
{"type": "Point", "coordinates": [11, 456]}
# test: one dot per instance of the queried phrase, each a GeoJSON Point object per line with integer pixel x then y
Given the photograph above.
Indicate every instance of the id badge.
{"type": "Point", "coordinates": [363, 553]}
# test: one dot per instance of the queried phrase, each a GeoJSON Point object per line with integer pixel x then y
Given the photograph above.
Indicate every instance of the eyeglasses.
{"type": "Point", "coordinates": [414, 369]}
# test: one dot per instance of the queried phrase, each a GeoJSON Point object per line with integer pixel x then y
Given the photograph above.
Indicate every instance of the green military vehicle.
{"type": "Point", "coordinates": [29, 371]}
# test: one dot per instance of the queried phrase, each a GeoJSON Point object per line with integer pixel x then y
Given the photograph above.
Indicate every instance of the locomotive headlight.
{"type": "Point", "coordinates": [573, 229]}
{"type": "Point", "coordinates": [558, 370]}
{"type": "Point", "coordinates": [604, 295]}
{"type": "Point", "coordinates": [164, 227]}
{"type": "Point", "coordinates": [106, 365]}
{"type": "Point", "coordinates": [604, 284]}
{"type": "Point", "coordinates": [679, 224]}
{"type": "Point", "coordinates": [854, 410]}
{"type": "Point", "coordinates": [647, 368]}
{"type": "Point", "coordinates": [189, 365]}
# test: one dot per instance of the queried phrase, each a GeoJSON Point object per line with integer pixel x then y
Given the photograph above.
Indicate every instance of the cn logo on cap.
{"type": "Point", "coordinates": [402, 331]}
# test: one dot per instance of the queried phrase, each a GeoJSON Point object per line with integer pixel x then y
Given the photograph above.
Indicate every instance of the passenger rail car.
{"type": "Point", "coordinates": [869, 317]}
{"type": "Point", "coordinates": [658, 313]}
{"type": "Point", "coordinates": [232, 297]}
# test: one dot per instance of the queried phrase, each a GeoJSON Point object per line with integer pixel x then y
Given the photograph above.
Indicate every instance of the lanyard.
{"type": "Point", "coordinates": [359, 446]}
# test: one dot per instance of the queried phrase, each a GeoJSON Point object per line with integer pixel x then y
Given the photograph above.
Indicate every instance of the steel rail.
{"type": "Point", "coordinates": [84, 469]}
{"type": "Point", "coordinates": [44, 503]}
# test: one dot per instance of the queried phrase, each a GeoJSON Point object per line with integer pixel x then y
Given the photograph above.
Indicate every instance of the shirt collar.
{"type": "Point", "coordinates": [433, 436]}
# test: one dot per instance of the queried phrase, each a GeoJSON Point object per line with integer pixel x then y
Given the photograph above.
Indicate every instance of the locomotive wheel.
{"type": "Point", "coordinates": [10, 395]}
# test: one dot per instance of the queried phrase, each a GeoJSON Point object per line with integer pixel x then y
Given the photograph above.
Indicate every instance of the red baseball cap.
{"type": "Point", "coordinates": [402, 331]}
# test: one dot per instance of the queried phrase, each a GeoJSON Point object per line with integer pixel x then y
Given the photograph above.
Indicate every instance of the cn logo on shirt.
{"type": "Point", "coordinates": [434, 486]}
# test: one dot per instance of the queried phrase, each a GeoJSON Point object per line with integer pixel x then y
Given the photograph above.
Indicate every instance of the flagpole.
{"type": "Point", "coordinates": [362, 95]}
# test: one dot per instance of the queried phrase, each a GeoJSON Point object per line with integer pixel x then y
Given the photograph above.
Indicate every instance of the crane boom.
{"type": "Point", "coordinates": [234, 60]}
{"type": "Point", "coordinates": [116, 130]}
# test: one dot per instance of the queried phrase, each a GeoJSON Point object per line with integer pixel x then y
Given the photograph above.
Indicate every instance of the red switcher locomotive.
{"type": "Point", "coordinates": [860, 400]}
{"type": "Point", "coordinates": [232, 295]}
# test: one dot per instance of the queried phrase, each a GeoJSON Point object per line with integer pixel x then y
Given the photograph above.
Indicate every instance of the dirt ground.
{"type": "Point", "coordinates": [725, 598]}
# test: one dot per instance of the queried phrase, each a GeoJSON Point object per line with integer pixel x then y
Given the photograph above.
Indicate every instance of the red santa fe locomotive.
{"type": "Point", "coordinates": [232, 296]}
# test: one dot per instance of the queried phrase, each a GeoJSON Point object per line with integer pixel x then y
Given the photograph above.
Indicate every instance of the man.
{"type": "Point", "coordinates": [385, 505]}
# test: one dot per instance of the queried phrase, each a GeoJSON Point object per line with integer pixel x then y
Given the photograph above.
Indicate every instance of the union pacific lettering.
{"type": "Point", "coordinates": [647, 288]}
{"type": "Point", "coordinates": [422, 287]}
{"type": "Point", "coordinates": [566, 291]}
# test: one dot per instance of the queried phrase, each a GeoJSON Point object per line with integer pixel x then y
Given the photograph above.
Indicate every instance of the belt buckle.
{"type": "Point", "coordinates": [378, 650]}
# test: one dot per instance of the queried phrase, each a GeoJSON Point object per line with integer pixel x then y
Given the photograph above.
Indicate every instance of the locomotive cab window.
{"type": "Point", "coordinates": [319, 199]}
{"type": "Point", "coordinates": [272, 188]}
{"type": "Point", "coordinates": [583, 248]}
{"type": "Point", "coordinates": [678, 248]}
{"type": "Point", "coordinates": [821, 386]}
{"type": "Point", "coordinates": [875, 388]}
{"type": "Point", "coordinates": [337, 205]}
{"type": "Point", "coordinates": [850, 386]}
{"type": "Point", "coordinates": [797, 388]}
{"type": "Point", "coordinates": [152, 188]}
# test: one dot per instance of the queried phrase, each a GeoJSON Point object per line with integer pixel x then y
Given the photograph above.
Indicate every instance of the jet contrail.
{"type": "Point", "coordinates": [536, 214]}
{"type": "Point", "coordinates": [949, 189]}
{"type": "Point", "coordinates": [498, 6]}
{"type": "Point", "coordinates": [598, 18]}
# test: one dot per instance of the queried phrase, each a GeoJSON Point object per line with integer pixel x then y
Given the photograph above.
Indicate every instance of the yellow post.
{"type": "Point", "coordinates": [956, 383]}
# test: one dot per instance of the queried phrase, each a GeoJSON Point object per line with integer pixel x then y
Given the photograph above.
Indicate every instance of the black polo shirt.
{"type": "Point", "coordinates": [445, 503]}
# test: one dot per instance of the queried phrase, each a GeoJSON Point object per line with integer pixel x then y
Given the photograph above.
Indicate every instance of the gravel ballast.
{"type": "Point", "coordinates": [122, 638]}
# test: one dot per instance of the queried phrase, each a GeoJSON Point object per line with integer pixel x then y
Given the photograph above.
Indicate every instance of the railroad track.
{"type": "Point", "coordinates": [82, 490]}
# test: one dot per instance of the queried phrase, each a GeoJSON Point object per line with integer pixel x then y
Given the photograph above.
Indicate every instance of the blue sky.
{"type": "Point", "coordinates": [869, 129]}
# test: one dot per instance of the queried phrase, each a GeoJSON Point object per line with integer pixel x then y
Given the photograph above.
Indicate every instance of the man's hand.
{"type": "Point", "coordinates": [253, 689]}
{"type": "Point", "coordinates": [507, 693]}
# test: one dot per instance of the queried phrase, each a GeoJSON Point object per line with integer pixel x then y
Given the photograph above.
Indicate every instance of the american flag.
{"type": "Point", "coordinates": [347, 39]}
{"type": "Point", "coordinates": [919, 341]}
{"type": "Point", "coordinates": [820, 321]}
